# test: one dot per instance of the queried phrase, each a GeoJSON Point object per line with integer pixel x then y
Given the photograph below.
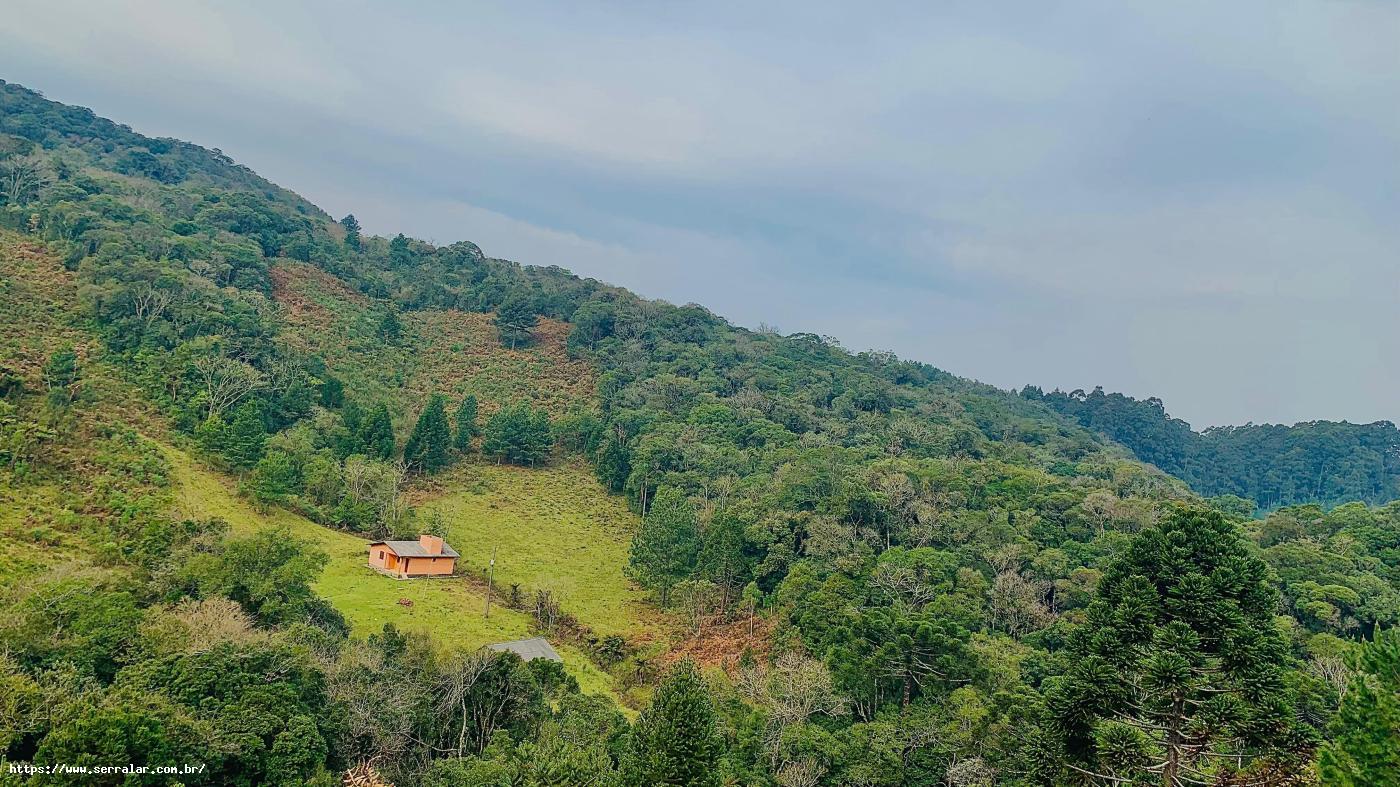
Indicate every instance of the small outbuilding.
{"type": "Point", "coordinates": [528, 649]}
{"type": "Point", "coordinates": [429, 556]}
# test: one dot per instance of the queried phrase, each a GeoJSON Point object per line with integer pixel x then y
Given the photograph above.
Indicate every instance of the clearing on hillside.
{"type": "Point", "coordinates": [449, 610]}
{"type": "Point", "coordinates": [452, 352]}
{"type": "Point", "coordinates": [554, 529]}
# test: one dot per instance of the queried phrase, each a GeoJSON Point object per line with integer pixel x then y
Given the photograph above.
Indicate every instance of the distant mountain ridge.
{"type": "Point", "coordinates": [1325, 462]}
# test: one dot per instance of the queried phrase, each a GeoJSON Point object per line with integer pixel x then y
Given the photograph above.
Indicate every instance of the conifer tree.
{"type": "Point", "coordinates": [61, 376]}
{"type": "Point", "coordinates": [376, 433]}
{"type": "Point", "coordinates": [274, 478]}
{"type": "Point", "coordinates": [332, 392]}
{"type": "Point", "coordinates": [1179, 670]}
{"type": "Point", "coordinates": [674, 741]}
{"type": "Point", "coordinates": [212, 434]}
{"type": "Point", "coordinates": [518, 433]}
{"type": "Point", "coordinates": [1365, 748]}
{"type": "Point", "coordinates": [352, 416]}
{"type": "Point", "coordinates": [466, 423]}
{"type": "Point", "coordinates": [426, 448]}
{"type": "Point", "coordinates": [722, 560]}
{"type": "Point", "coordinates": [515, 319]}
{"type": "Point", "coordinates": [664, 548]}
{"type": "Point", "coordinates": [390, 329]}
{"type": "Point", "coordinates": [244, 438]}
{"type": "Point", "coordinates": [614, 463]}
{"type": "Point", "coordinates": [352, 230]}
{"type": "Point", "coordinates": [400, 252]}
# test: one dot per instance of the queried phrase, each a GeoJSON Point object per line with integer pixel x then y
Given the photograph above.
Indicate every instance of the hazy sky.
{"type": "Point", "coordinates": [1198, 201]}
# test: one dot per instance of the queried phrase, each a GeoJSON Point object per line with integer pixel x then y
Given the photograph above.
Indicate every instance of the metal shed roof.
{"type": "Point", "coordinates": [415, 549]}
{"type": "Point", "coordinates": [528, 649]}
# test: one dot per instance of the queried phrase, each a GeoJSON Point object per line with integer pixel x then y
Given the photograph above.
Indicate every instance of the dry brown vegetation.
{"type": "Point", "coordinates": [463, 355]}
{"type": "Point", "coordinates": [444, 351]}
{"type": "Point", "coordinates": [723, 643]}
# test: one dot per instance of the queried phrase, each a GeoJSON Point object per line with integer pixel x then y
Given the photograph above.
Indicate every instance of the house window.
{"type": "Point", "coordinates": [381, 554]}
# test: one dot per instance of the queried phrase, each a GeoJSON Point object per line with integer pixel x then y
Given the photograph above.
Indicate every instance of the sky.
{"type": "Point", "coordinates": [1198, 201]}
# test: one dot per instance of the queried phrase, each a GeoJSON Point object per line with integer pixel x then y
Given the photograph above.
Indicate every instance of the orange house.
{"type": "Point", "coordinates": [429, 556]}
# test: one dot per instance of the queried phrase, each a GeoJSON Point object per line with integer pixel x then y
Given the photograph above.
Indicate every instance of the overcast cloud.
{"type": "Point", "coordinates": [1197, 201]}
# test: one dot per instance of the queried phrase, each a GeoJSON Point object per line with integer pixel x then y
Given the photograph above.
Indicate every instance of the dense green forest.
{"type": "Point", "coordinates": [1323, 462]}
{"type": "Point", "coordinates": [960, 585]}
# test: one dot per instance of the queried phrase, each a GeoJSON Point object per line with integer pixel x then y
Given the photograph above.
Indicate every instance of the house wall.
{"type": "Point", "coordinates": [383, 557]}
{"type": "Point", "coordinates": [430, 566]}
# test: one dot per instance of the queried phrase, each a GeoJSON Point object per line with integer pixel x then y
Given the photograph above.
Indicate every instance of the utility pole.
{"type": "Point", "coordinates": [490, 580]}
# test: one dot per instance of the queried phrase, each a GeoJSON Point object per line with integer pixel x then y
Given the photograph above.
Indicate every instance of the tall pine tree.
{"type": "Point", "coordinates": [664, 548]}
{"type": "Point", "coordinates": [352, 230]}
{"type": "Point", "coordinates": [722, 559]}
{"type": "Point", "coordinates": [426, 448]}
{"type": "Point", "coordinates": [390, 328]}
{"type": "Point", "coordinates": [376, 433]}
{"type": "Point", "coordinates": [613, 462]}
{"type": "Point", "coordinates": [61, 376]}
{"type": "Point", "coordinates": [674, 741]}
{"type": "Point", "coordinates": [1179, 670]}
{"type": "Point", "coordinates": [515, 319]}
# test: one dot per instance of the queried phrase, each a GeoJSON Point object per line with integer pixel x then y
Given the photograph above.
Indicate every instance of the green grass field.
{"type": "Point", "coordinates": [447, 609]}
{"type": "Point", "coordinates": [24, 510]}
{"type": "Point", "coordinates": [554, 529]}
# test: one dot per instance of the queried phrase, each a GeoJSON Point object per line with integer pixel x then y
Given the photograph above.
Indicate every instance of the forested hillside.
{"type": "Point", "coordinates": [923, 580]}
{"type": "Point", "coordinates": [1323, 462]}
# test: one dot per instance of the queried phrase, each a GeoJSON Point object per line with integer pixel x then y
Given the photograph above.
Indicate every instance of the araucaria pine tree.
{"type": "Point", "coordinates": [721, 559]}
{"type": "Point", "coordinates": [426, 448]}
{"type": "Point", "coordinates": [352, 230]}
{"type": "Point", "coordinates": [674, 741]}
{"type": "Point", "coordinates": [1178, 673]}
{"type": "Point", "coordinates": [665, 546]}
{"type": "Point", "coordinates": [515, 319]}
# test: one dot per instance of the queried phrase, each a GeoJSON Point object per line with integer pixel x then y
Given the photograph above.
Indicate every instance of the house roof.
{"type": "Point", "coordinates": [415, 549]}
{"type": "Point", "coordinates": [528, 649]}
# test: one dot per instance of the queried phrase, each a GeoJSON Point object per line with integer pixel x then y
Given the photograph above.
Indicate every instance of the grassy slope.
{"type": "Point", "coordinates": [38, 299]}
{"type": "Point", "coordinates": [448, 609]}
{"type": "Point", "coordinates": [24, 508]}
{"type": "Point", "coordinates": [553, 529]}
{"type": "Point", "coordinates": [449, 352]}
{"type": "Point", "coordinates": [39, 313]}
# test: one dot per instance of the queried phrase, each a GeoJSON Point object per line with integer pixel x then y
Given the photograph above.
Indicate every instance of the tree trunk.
{"type": "Point", "coordinates": [1175, 739]}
